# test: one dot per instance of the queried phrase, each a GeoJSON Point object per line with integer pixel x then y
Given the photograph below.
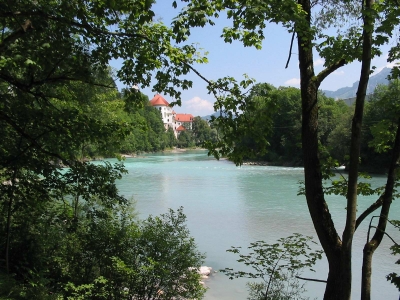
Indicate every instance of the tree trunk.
{"type": "Point", "coordinates": [338, 285]}
{"type": "Point", "coordinates": [11, 192]}
{"type": "Point", "coordinates": [339, 277]}
{"type": "Point", "coordinates": [374, 243]}
{"type": "Point", "coordinates": [338, 251]}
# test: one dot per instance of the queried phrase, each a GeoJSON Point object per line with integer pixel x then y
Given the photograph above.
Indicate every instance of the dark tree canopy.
{"type": "Point", "coordinates": [58, 106]}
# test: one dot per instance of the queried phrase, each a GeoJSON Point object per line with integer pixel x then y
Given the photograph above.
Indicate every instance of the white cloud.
{"type": "Point", "coordinates": [392, 64]}
{"type": "Point", "coordinates": [340, 72]}
{"type": "Point", "coordinates": [293, 81]}
{"type": "Point", "coordinates": [198, 107]}
{"type": "Point", "coordinates": [319, 62]}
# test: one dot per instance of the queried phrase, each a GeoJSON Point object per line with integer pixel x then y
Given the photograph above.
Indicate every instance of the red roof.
{"type": "Point", "coordinates": [181, 128]}
{"type": "Point", "coordinates": [159, 100]}
{"type": "Point", "coordinates": [184, 117]}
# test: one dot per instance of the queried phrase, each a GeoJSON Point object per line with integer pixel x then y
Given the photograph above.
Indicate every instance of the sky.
{"type": "Point", "coordinates": [265, 65]}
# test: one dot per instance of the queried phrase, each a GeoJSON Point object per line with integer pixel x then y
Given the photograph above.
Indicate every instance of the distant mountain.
{"type": "Point", "coordinates": [208, 117]}
{"type": "Point", "coordinates": [350, 92]}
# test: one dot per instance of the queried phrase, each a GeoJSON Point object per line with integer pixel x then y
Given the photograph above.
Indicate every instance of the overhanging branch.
{"type": "Point", "coordinates": [87, 26]}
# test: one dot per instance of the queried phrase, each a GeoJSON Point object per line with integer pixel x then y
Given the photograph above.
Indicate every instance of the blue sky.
{"type": "Point", "coordinates": [265, 65]}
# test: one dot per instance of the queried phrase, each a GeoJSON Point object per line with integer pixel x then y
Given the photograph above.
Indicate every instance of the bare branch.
{"type": "Point", "coordinates": [384, 232]}
{"type": "Point", "coordinates": [311, 279]}
{"type": "Point", "coordinates": [290, 50]}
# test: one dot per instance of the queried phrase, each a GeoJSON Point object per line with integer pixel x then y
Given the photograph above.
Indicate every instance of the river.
{"type": "Point", "coordinates": [233, 206]}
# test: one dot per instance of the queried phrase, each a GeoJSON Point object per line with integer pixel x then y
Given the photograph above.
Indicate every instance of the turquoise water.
{"type": "Point", "coordinates": [233, 206]}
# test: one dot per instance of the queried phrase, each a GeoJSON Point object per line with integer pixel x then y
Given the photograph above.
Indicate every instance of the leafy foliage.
{"type": "Point", "coordinates": [95, 248]}
{"type": "Point", "coordinates": [271, 122]}
{"type": "Point", "coordinates": [276, 265]}
{"type": "Point", "coordinates": [203, 132]}
{"type": "Point", "coordinates": [68, 233]}
{"type": "Point", "coordinates": [394, 277]}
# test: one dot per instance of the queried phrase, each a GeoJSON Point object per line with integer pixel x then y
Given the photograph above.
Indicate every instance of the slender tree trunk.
{"type": "Point", "coordinates": [351, 211]}
{"type": "Point", "coordinates": [374, 243]}
{"type": "Point", "coordinates": [9, 213]}
{"type": "Point", "coordinates": [8, 232]}
{"type": "Point", "coordinates": [339, 277]}
{"type": "Point", "coordinates": [338, 251]}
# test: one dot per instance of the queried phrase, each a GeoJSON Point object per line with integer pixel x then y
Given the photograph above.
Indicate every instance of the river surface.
{"type": "Point", "coordinates": [233, 206]}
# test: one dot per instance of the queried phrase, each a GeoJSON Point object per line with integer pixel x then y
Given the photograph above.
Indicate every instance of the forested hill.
{"type": "Point", "coordinates": [349, 92]}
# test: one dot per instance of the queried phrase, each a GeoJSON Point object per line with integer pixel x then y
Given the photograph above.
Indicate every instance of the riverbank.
{"type": "Point", "coordinates": [268, 163]}
{"type": "Point", "coordinates": [172, 150]}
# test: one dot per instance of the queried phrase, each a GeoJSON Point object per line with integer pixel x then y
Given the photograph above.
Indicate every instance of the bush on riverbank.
{"type": "Point", "coordinates": [85, 242]}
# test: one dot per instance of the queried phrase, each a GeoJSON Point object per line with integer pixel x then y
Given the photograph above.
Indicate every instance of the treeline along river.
{"type": "Point", "coordinates": [233, 206]}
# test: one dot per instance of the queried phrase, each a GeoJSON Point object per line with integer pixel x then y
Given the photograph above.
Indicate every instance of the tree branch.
{"type": "Point", "coordinates": [329, 70]}
{"type": "Point", "coordinates": [290, 50]}
{"type": "Point", "coordinates": [27, 87]}
{"type": "Point", "coordinates": [311, 279]}
{"type": "Point", "coordinates": [16, 34]}
{"type": "Point", "coordinates": [32, 140]}
{"type": "Point", "coordinates": [87, 27]}
{"type": "Point", "coordinates": [385, 233]}
{"type": "Point", "coordinates": [369, 210]}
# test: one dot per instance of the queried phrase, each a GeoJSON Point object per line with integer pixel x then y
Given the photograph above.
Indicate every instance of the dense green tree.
{"type": "Point", "coordinates": [330, 113]}
{"type": "Point", "coordinates": [339, 139]}
{"type": "Point", "coordinates": [88, 244]}
{"type": "Point", "coordinates": [281, 106]}
{"type": "Point", "coordinates": [165, 259]}
{"type": "Point", "coordinates": [287, 125]}
{"type": "Point", "coordinates": [185, 139]}
{"type": "Point", "coordinates": [59, 105]}
{"type": "Point", "coordinates": [379, 126]}
{"type": "Point", "coordinates": [202, 131]}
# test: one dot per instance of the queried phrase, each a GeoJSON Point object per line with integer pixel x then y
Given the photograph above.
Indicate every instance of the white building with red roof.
{"type": "Point", "coordinates": [166, 111]}
{"type": "Point", "coordinates": [180, 129]}
{"type": "Point", "coordinates": [185, 120]}
{"type": "Point", "coordinates": [178, 122]}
